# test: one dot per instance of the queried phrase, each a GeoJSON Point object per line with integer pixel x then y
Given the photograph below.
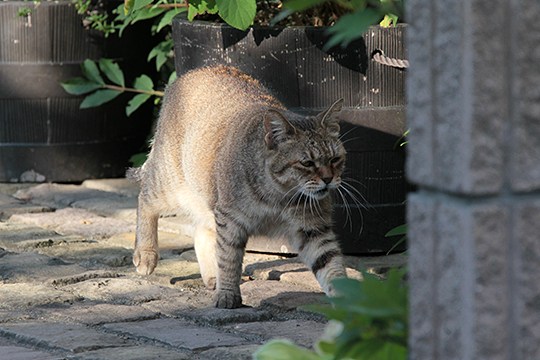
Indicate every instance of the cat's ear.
{"type": "Point", "coordinates": [276, 128]}
{"type": "Point", "coordinates": [329, 120]}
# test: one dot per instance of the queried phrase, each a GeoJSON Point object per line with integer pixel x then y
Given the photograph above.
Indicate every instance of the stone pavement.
{"type": "Point", "coordinates": [68, 289]}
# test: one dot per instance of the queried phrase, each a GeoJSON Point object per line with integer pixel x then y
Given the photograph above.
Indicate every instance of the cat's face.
{"type": "Point", "coordinates": [306, 155]}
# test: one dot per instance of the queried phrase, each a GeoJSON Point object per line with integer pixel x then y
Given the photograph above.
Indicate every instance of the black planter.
{"type": "Point", "coordinates": [292, 63]}
{"type": "Point", "coordinates": [41, 126]}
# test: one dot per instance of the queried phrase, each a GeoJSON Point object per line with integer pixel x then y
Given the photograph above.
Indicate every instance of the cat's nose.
{"type": "Point", "coordinates": [327, 180]}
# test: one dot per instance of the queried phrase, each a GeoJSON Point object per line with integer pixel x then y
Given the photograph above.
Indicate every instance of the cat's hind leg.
{"type": "Point", "coordinates": [319, 249]}
{"type": "Point", "coordinates": [205, 249]}
{"type": "Point", "coordinates": [146, 254]}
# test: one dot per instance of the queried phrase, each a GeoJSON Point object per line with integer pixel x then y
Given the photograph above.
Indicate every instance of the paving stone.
{"type": "Point", "coordinates": [244, 352]}
{"type": "Point", "coordinates": [77, 221]}
{"type": "Point", "coordinates": [13, 233]}
{"type": "Point", "coordinates": [215, 316]}
{"type": "Point", "coordinates": [24, 295]}
{"type": "Point", "coordinates": [182, 302]}
{"type": "Point", "coordinates": [10, 205]}
{"type": "Point", "coordinates": [12, 188]}
{"type": "Point", "coordinates": [20, 237]}
{"type": "Point", "coordinates": [61, 195]}
{"type": "Point", "coordinates": [133, 353]}
{"type": "Point", "coordinates": [188, 255]}
{"type": "Point", "coordinates": [169, 243]}
{"type": "Point", "coordinates": [290, 270]}
{"type": "Point", "coordinates": [87, 275]}
{"type": "Point", "coordinates": [271, 269]}
{"type": "Point", "coordinates": [90, 253]}
{"type": "Point", "coordinates": [31, 267]}
{"type": "Point", "coordinates": [178, 333]}
{"type": "Point", "coordinates": [115, 206]}
{"type": "Point", "coordinates": [96, 314]}
{"type": "Point", "coordinates": [177, 271]}
{"type": "Point", "coordinates": [377, 264]}
{"type": "Point", "coordinates": [278, 296]}
{"type": "Point", "coordinates": [21, 353]}
{"type": "Point", "coordinates": [60, 240]}
{"type": "Point", "coordinates": [21, 314]}
{"type": "Point", "coordinates": [302, 332]}
{"type": "Point", "coordinates": [121, 186]}
{"type": "Point", "coordinates": [70, 337]}
{"type": "Point", "coordinates": [119, 290]}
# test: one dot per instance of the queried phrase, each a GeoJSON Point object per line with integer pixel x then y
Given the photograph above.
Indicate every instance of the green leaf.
{"type": "Point", "coordinates": [91, 72]}
{"type": "Point", "coordinates": [172, 78]}
{"type": "Point", "coordinates": [143, 82]}
{"type": "Point", "coordinates": [136, 102]}
{"type": "Point", "coordinates": [161, 52]}
{"type": "Point", "coordinates": [112, 71]}
{"type": "Point", "coordinates": [237, 13]}
{"type": "Point", "coordinates": [79, 86]}
{"type": "Point", "coordinates": [283, 350]}
{"type": "Point", "coordinates": [167, 18]}
{"type": "Point", "coordinates": [200, 7]}
{"type": "Point", "coordinates": [139, 4]}
{"type": "Point", "coordinates": [98, 98]}
{"type": "Point", "coordinates": [351, 27]}
{"type": "Point", "coordinates": [398, 230]}
{"type": "Point", "coordinates": [376, 349]}
{"type": "Point", "coordinates": [138, 159]}
{"type": "Point", "coordinates": [326, 347]}
{"type": "Point", "coordinates": [146, 13]}
{"type": "Point", "coordinates": [389, 20]}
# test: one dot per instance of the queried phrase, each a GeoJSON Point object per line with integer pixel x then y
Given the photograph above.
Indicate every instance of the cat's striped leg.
{"type": "Point", "coordinates": [205, 248]}
{"type": "Point", "coordinates": [319, 250]}
{"type": "Point", "coordinates": [230, 245]}
{"type": "Point", "coordinates": [146, 253]}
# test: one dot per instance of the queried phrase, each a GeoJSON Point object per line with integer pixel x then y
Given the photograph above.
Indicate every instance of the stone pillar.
{"type": "Point", "coordinates": [474, 152]}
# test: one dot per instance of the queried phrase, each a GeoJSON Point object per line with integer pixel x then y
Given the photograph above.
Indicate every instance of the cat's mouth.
{"type": "Point", "coordinates": [321, 193]}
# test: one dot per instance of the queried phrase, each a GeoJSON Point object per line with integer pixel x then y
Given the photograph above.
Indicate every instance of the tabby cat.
{"type": "Point", "coordinates": [235, 159]}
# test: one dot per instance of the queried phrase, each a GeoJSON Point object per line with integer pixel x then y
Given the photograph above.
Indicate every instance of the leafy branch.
{"type": "Point", "coordinates": [368, 320]}
{"type": "Point", "coordinates": [100, 91]}
{"type": "Point", "coordinates": [357, 16]}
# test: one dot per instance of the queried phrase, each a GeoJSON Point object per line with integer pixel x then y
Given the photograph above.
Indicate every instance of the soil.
{"type": "Point", "coordinates": [322, 15]}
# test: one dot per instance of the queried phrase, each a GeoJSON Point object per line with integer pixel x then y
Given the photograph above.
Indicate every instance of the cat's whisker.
{"type": "Point", "coordinates": [348, 208]}
{"type": "Point", "coordinates": [297, 194]}
{"type": "Point", "coordinates": [355, 195]}
{"type": "Point", "coordinates": [348, 179]}
{"type": "Point", "coordinates": [350, 139]}
{"type": "Point", "coordinates": [295, 189]}
{"type": "Point", "coordinates": [347, 133]}
{"type": "Point", "coordinates": [348, 218]}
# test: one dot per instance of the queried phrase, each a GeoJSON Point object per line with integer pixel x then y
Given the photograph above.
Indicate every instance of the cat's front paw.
{"type": "Point", "coordinates": [145, 261]}
{"type": "Point", "coordinates": [227, 299]}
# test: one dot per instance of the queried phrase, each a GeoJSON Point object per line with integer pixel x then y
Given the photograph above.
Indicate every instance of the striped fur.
{"type": "Point", "coordinates": [232, 157]}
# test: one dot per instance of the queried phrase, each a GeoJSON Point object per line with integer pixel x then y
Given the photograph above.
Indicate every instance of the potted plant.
{"type": "Point", "coordinates": [307, 67]}
{"type": "Point", "coordinates": [44, 135]}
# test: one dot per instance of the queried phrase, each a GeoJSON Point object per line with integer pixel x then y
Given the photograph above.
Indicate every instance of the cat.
{"type": "Point", "coordinates": [239, 163]}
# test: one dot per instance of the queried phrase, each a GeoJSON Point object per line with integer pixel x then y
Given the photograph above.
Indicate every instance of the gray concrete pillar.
{"type": "Point", "coordinates": [474, 151]}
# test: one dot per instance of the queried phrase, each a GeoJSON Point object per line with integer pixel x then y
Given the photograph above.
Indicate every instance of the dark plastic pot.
{"type": "Point", "coordinates": [292, 63]}
{"type": "Point", "coordinates": [42, 128]}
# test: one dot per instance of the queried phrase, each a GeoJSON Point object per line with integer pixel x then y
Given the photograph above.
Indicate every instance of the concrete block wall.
{"type": "Point", "coordinates": [474, 151]}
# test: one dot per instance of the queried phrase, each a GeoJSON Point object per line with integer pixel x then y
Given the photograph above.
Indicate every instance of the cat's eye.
{"type": "Point", "coordinates": [335, 160]}
{"type": "Point", "coordinates": [307, 163]}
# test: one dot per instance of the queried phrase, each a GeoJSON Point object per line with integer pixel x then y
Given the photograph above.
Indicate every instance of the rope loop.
{"type": "Point", "coordinates": [378, 56]}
